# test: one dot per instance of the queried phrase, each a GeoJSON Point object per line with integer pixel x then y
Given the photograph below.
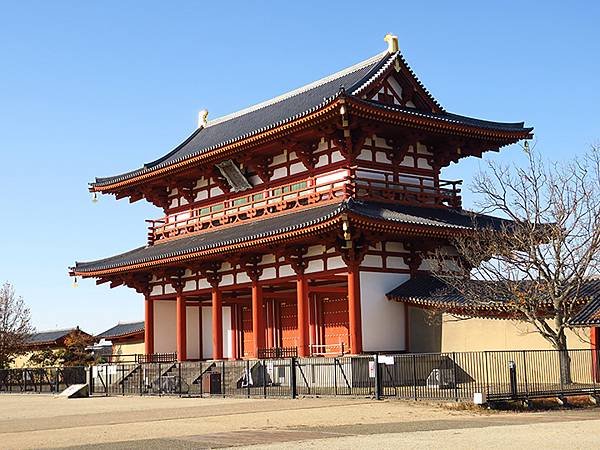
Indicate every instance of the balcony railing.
{"type": "Point", "coordinates": [251, 204]}
{"type": "Point", "coordinates": [322, 189]}
{"type": "Point", "coordinates": [406, 189]}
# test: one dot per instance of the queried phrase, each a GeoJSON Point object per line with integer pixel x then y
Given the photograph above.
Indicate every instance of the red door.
{"type": "Point", "coordinates": [335, 329]}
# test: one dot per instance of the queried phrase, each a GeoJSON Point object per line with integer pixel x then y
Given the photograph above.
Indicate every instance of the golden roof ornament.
{"type": "Point", "coordinates": [392, 42]}
{"type": "Point", "coordinates": [203, 118]}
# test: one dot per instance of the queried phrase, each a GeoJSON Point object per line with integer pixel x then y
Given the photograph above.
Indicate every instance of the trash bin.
{"type": "Point", "coordinates": [211, 383]}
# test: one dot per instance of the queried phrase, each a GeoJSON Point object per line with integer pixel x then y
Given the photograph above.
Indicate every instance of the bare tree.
{"type": "Point", "coordinates": [15, 324]}
{"type": "Point", "coordinates": [536, 266]}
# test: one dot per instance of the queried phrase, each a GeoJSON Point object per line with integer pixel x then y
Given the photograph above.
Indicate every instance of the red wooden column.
{"type": "Point", "coordinates": [181, 324]}
{"type": "Point", "coordinates": [354, 314]}
{"type": "Point", "coordinates": [302, 313]}
{"type": "Point", "coordinates": [270, 310]}
{"type": "Point", "coordinates": [217, 323]}
{"type": "Point", "coordinates": [258, 327]}
{"type": "Point", "coordinates": [148, 325]}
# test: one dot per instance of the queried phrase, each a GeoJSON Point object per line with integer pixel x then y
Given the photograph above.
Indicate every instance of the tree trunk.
{"type": "Point", "coordinates": [564, 360]}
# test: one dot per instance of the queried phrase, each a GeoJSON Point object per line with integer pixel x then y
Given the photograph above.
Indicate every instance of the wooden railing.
{"type": "Point", "coordinates": [252, 204]}
{"type": "Point", "coordinates": [406, 189]}
{"type": "Point", "coordinates": [330, 187]}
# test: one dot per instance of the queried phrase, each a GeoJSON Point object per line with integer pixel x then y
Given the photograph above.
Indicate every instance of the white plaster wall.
{"type": "Point", "coordinates": [192, 335]}
{"type": "Point", "coordinates": [207, 352]}
{"type": "Point", "coordinates": [383, 324]}
{"type": "Point", "coordinates": [165, 339]}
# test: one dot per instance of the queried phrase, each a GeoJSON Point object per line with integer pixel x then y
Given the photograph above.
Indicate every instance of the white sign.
{"type": "Point", "coordinates": [387, 360]}
{"type": "Point", "coordinates": [371, 369]}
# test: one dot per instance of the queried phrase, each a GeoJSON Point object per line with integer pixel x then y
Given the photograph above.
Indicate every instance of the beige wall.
{"type": "Point", "coordinates": [494, 334]}
{"type": "Point", "coordinates": [128, 348]}
{"type": "Point", "coordinates": [23, 360]}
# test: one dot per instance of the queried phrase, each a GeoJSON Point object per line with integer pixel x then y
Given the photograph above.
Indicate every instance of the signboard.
{"type": "Point", "coordinates": [371, 369]}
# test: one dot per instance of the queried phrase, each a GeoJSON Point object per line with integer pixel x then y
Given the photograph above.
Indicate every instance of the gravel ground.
{"type": "Point", "coordinates": [39, 421]}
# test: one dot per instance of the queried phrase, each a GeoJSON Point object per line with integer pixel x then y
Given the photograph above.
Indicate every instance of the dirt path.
{"type": "Point", "coordinates": [33, 421]}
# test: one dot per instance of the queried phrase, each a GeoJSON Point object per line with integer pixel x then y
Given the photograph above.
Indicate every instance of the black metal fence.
{"type": "Point", "coordinates": [47, 379]}
{"type": "Point", "coordinates": [496, 375]}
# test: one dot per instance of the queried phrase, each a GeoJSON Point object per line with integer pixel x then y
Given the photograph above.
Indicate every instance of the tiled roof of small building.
{"type": "Point", "coordinates": [275, 225]}
{"type": "Point", "coordinates": [122, 329]}
{"type": "Point", "coordinates": [50, 336]}
{"type": "Point", "coordinates": [429, 291]}
{"type": "Point", "coordinates": [590, 313]}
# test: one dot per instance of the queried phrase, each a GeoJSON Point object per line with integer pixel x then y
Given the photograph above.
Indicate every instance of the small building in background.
{"type": "Point", "coordinates": [440, 319]}
{"type": "Point", "coordinates": [127, 339]}
{"type": "Point", "coordinates": [51, 341]}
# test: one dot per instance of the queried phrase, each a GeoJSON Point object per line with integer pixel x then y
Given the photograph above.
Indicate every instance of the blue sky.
{"type": "Point", "coordinates": [97, 88]}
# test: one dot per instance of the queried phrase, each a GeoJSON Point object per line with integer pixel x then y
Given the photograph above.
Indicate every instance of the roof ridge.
{"type": "Point", "coordinates": [297, 91]}
{"type": "Point", "coordinates": [129, 323]}
{"type": "Point", "coordinates": [54, 330]}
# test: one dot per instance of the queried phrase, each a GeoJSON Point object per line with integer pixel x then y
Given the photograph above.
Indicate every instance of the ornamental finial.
{"type": "Point", "coordinates": [392, 42]}
{"type": "Point", "coordinates": [203, 118]}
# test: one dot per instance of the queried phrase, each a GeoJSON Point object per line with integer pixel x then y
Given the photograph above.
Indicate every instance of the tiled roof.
{"type": "Point", "coordinates": [429, 291]}
{"type": "Point", "coordinates": [590, 313]}
{"type": "Point", "coordinates": [264, 116]}
{"type": "Point", "coordinates": [453, 118]}
{"type": "Point", "coordinates": [296, 104]}
{"type": "Point", "coordinates": [121, 329]}
{"type": "Point", "coordinates": [50, 336]}
{"type": "Point", "coordinates": [273, 226]}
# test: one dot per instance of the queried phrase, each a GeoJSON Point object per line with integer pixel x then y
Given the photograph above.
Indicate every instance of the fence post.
{"type": "Point", "coordinates": [414, 358]}
{"type": "Point", "coordinates": [141, 384]}
{"type": "Point", "coordinates": [377, 378]}
{"type": "Point", "coordinates": [248, 377]}
{"type": "Point", "coordinates": [179, 371]}
{"type": "Point", "coordinates": [57, 380]}
{"type": "Point", "coordinates": [123, 380]}
{"type": "Point", "coordinates": [223, 377]}
{"type": "Point", "coordinates": [293, 377]}
{"type": "Point", "coordinates": [106, 381]}
{"type": "Point", "coordinates": [335, 361]}
{"type": "Point", "coordinates": [455, 376]}
{"type": "Point", "coordinates": [159, 380]}
{"type": "Point", "coordinates": [264, 379]}
{"type": "Point", "coordinates": [525, 374]}
{"type": "Point", "coordinates": [487, 376]}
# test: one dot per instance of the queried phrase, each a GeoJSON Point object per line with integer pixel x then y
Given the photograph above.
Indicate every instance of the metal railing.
{"type": "Point", "coordinates": [497, 375]}
{"type": "Point", "coordinates": [41, 380]}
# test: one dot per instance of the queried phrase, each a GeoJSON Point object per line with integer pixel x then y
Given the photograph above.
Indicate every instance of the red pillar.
{"type": "Point", "coordinates": [181, 327]}
{"type": "Point", "coordinates": [217, 323]}
{"type": "Point", "coordinates": [258, 328]}
{"type": "Point", "coordinates": [302, 313]}
{"type": "Point", "coordinates": [354, 314]}
{"type": "Point", "coordinates": [148, 325]}
{"type": "Point", "coordinates": [269, 307]}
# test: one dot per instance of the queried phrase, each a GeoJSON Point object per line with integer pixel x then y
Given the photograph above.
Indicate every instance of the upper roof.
{"type": "Point", "coordinates": [352, 81]}
{"type": "Point", "coordinates": [248, 232]}
{"type": "Point", "coordinates": [49, 336]}
{"type": "Point", "coordinates": [122, 329]}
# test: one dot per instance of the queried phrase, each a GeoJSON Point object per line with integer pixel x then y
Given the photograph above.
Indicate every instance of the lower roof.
{"type": "Point", "coordinates": [247, 232]}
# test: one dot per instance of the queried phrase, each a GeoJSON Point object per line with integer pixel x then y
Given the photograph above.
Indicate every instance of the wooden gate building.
{"type": "Point", "coordinates": [286, 223]}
